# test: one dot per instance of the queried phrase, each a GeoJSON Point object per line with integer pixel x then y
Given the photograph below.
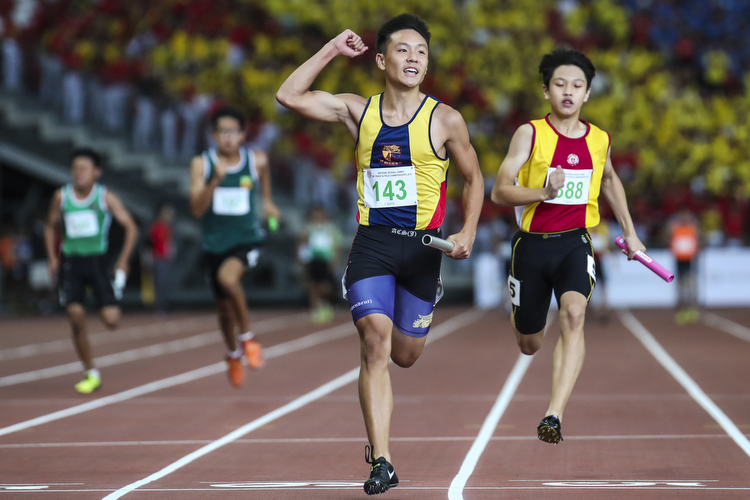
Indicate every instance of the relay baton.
{"type": "Point", "coordinates": [439, 243]}
{"type": "Point", "coordinates": [647, 261]}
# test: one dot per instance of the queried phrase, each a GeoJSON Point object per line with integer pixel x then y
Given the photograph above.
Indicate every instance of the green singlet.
{"type": "Point", "coordinates": [86, 222]}
{"type": "Point", "coordinates": [231, 219]}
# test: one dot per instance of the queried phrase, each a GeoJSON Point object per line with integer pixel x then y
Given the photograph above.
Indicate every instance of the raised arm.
{"type": "Point", "coordinates": [121, 215]}
{"type": "Point", "coordinates": [452, 126]}
{"type": "Point", "coordinates": [296, 95]}
{"type": "Point", "coordinates": [50, 228]}
{"type": "Point", "coordinates": [614, 193]}
{"type": "Point", "coordinates": [202, 192]}
{"type": "Point", "coordinates": [505, 192]}
{"type": "Point", "coordinates": [264, 173]}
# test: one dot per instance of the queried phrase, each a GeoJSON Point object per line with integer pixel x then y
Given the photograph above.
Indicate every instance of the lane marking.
{"type": "Point", "coordinates": [433, 439]}
{"type": "Point", "coordinates": [101, 338]}
{"type": "Point", "coordinates": [726, 325]}
{"type": "Point", "coordinates": [313, 339]}
{"type": "Point", "coordinates": [164, 328]}
{"type": "Point", "coordinates": [455, 492]}
{"type": "Point", "coordinates": [171, 347]}
{"type": "Point", "coordinates": [681, 376]}
{"type": "Point", "coordinates": [440, 331]}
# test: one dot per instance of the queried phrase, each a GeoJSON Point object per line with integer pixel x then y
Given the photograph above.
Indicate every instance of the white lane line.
{"type": "Point", "coordinates": [174, 346]}
{"type": "Point", "coordinates": [101, 338]}
{"type": "Point", "coordinates": [421, 439]}
{"type": "Point", "coordinates": [439, 331]}
{"type": "Point", "coordinates": [455, 492]}
{"type": "Point", "coordinates": [681, 376]}
{"type": "Point", "coordinates": [320, 337]}
{"type": "Point", "coordinates": [164, 328]}
{"type": "Point", "coordinates": [117, 358]}
{"type": "Point", "coordinates": [298, 403]}
{"type": "Point", "coordinates": [728, 326]}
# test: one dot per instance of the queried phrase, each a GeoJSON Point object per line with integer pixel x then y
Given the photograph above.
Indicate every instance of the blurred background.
{"type": "Point", "coordinates": [137, 80]}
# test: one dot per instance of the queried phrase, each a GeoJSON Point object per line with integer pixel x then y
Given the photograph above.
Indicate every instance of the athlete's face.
{"type": "Point", "coordinates": [405, 59]}
{"type": "Point", "coordinates": [567, 90]}
{"type": "Point", "coordinates": [84, 173]}
{"type": "Point", "coordinates": [228, 135]}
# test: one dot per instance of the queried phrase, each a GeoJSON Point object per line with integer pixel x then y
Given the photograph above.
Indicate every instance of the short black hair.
{"type": "Point", "coordinates": [89, 153]}
{"type": "Point", "coordinates": [228, 111]}
{"type": "Point", "coordinates": [398, 23]}
{"type": "Point", "coordinates": [566, 57]}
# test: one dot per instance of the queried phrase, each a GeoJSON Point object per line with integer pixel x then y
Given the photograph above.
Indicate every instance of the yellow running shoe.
{"type": "Point", "coordinates": [236, 371]}
{"type": "Point", "coordinates": [89, 384]}
{"type": "Point", "coordinates": [254, 354]}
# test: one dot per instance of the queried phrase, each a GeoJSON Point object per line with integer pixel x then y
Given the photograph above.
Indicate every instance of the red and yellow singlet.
{"type": "Point", "coordinates": [583, 160]}
{"type": "Point", "coordinates": [401, 179]}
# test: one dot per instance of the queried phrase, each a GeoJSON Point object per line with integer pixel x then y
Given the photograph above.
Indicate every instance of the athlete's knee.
{"type": "Point", "coordinates": [573, 315]}
{"type": "Point", "coordinates": [405, 357]}
{"type": "Point", "coordinates": [375, 339]}
{"type": "Point", "coordinates": [111, 316]}
{"type": "Point", "coordinates": [529, 344]}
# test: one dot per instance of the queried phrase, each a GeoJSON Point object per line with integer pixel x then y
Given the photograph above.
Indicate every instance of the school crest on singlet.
{"type": "Point", "coordinates": [401, 181]}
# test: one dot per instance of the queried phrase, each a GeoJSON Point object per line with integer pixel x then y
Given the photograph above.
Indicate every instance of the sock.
{"type": "Point", "coordinates": [237, 353]}
{"type": "Point", "coordinates": [94, 372]}
{"type": "Point", "coordinates": [246, 336]}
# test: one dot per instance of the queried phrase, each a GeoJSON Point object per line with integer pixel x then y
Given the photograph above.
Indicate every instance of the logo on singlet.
{"type": "Point", "coordinates": [573, 160]}
{"type": "Point", "coordinates": [391, 154]}
{"type": "Point", "coordinates": [423, 321]}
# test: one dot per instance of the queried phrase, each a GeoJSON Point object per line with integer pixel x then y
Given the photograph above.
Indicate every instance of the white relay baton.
{"type": "Point", "coordinates": [439, 243]}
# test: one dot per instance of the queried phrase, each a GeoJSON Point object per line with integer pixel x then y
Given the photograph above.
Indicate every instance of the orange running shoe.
{"type": "Point", "coordinates": [235, 371]}
{"type": "Point", "coordinates": [254, 354]}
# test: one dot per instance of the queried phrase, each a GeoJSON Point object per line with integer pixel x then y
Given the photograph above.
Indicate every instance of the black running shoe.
{"type": "Point", "coordinates": [382, 476]}
{"type": "Point", "coordinates": [549, 430]}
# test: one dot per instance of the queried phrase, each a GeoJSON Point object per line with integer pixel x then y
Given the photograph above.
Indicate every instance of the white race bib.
{"type": "Point", "coordinates": [575, 191]}
{"type": "Point", "coordinates": [390, 187]}
{"type": "Point", "coordinates": [81, 224]}
{"type": "Point", "coordinates": [231, 201]}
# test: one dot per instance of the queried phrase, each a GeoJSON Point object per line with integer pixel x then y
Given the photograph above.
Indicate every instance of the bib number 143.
{"type": "Point", "coordinates": [390, 187]}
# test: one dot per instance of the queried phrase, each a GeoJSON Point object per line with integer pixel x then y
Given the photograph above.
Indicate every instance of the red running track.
{"type": "Point", "coordinates": [660, 423]}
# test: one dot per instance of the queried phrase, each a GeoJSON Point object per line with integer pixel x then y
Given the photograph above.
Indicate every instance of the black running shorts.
{"type": "Point", "coordinates": [77, 272]}
{"type": "Point", "coordinates": [543, 263]}
{"type": "Point", "coordinates": [248, 254]}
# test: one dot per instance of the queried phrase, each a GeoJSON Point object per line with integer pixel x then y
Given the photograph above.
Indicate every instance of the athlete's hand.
{"type": "Point", "coordinates": [556, 182]}
{"type": "Point", "coordinates": [633, 244]}
{"type": "Point", "coordinates": [270, 210]}
{"type": "Point", "coordinates": [220, 171]}
{"type": "Point", "coordinates": [53, 265]}
{"type": "Point", "coordinates": [124, 266]}
{"type": "Point", "coordinates": [349, 44]}
{"type": "Point", "coordinates": [463, 244]}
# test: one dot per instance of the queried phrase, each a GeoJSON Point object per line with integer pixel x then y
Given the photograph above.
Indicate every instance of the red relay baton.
{"type": "Point", "coordinates": [647, 261]}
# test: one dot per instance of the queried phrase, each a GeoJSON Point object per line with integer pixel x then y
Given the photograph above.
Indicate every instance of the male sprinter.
{"type": "Point", "coordinates": [403, 138]}
{"type": "Point", "coordinates": [86, 209]}
{"type": "Point", "coordinates": [555, 168]}
{"type": "Point", "coordinates": [223, 187]}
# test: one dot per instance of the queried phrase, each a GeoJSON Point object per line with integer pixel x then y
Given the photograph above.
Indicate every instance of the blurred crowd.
{"type": "Point", "coordinates": [672, 85]}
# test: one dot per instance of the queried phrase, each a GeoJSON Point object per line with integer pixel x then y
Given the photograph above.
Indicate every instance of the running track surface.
{"type": "Point", "coordinates": [659, 411]}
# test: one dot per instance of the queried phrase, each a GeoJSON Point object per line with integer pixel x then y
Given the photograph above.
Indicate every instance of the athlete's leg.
{"type": "Point", "coordinates": [528, 344]}
{"type": "Point", "coordinates": [110, 315]}
{"type": "Point", "coordinates": [229, 277]}
{"type": "Point", "coordinates": [227, 323]}
{"type": "Point", "coordinates": [77, 317]}
{"type": "Point", "coordinates": [569, 352]}
{"type": "Point", "coordinates": [405, 349]}
{"type": "Point", "coordinates": [375, 393]}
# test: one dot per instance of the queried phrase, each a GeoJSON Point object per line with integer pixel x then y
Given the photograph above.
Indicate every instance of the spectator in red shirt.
{"type": "Point", "coordinates": [160, 238]}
